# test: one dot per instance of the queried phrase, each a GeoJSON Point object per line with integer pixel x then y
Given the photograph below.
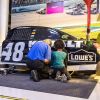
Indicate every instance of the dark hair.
{"type": "Point", "coordinates": [59, 44]}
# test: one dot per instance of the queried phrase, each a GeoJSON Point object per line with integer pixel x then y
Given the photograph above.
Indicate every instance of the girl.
{"type": "Point", "coordinates": [58, 59]}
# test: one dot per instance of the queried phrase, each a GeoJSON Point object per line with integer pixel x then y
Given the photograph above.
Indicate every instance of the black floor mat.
{"type": "Point", "coordinates": [75, 87]}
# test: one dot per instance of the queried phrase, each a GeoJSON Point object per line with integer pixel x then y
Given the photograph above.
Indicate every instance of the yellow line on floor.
{"type": "Point", "coordinates": [11, 98]}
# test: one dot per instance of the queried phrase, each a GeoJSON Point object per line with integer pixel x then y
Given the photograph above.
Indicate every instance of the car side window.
{"type": "Point", "coordinates": [19, 34]}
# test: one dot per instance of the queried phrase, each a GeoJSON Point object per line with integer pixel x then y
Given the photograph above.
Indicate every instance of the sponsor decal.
{"type": "Point", "coordinates": [74, 44]}
{"type": "Point", "coordinates": [15, 52]}
{"type": "Point", "coordinates": [81, 56]}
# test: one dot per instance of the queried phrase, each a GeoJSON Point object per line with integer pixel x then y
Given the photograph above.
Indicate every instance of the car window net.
{"type": "Point", "coordinates": [21, 34]}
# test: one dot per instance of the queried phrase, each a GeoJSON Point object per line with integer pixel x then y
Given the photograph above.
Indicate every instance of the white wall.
{"type": "Point", "coordinates": [0, 19]}
{"type": "Point", "coordinates": [99, 6]}
{"type": "Point", "coordinates": [4, 11]}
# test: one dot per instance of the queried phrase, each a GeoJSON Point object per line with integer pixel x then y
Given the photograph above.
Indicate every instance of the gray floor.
{"type": "Point", "coordinates": [75, 87]}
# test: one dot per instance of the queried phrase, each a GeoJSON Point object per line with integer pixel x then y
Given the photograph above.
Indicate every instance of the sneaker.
{"type": "Point", "coordinates": [64, 78]}
{"type": "Point", "coordinates": [68, 76]}
{"type": "Point", "coordinates": [34, 76]}
{"type": "Point", "coordinates": [58, 76]}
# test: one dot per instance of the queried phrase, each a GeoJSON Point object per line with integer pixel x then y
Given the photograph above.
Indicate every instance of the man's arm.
{"type": "Point", "coordinates": [47, 55]}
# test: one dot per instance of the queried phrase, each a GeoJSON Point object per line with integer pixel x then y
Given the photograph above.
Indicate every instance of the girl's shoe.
{"type": "Point", "coordinates": [64, 78]}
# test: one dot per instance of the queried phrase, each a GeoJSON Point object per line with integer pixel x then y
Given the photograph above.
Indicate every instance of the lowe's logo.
{"type": "Point", "coordinates": [82, 56]}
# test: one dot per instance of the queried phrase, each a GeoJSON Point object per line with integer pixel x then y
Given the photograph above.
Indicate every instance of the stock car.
{"type": "Point", "coordinates": [20, 39]}
{"type": "Point", "coordinates": [41, 11]}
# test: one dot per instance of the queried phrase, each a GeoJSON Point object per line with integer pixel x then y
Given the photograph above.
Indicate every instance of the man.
{"type": "Point", "coordinates": [39, 57]}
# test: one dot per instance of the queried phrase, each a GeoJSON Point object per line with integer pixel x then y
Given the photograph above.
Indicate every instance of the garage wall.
{"type": "Point", "coordinates": [4, 8]}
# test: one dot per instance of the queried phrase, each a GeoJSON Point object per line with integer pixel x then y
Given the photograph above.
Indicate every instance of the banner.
{"type": "Point", "coordinates": [55, 7]}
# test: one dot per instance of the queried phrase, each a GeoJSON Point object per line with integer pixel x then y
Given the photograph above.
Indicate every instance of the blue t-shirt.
{"type": "Point", "coordinates": [40, 51]}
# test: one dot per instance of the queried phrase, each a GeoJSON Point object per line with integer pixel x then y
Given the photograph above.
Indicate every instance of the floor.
{"type": "Point", "coordinates": [8, 93]}
{"type": "Point", "coordinates": [33, 95]}
{"type": "Point", "coordinates": [50, 20]}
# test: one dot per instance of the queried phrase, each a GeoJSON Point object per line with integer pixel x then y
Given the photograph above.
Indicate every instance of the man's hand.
{"type": "Point", "coordinates": [46, 61]}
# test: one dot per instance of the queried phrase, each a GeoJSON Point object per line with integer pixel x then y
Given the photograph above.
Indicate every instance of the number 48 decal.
{"type": "Point", "coordinates": [17, 54]}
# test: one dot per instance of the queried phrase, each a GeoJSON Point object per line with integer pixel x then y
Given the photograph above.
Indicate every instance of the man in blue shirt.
{"type": "Point", "coordinates": [38, 57]}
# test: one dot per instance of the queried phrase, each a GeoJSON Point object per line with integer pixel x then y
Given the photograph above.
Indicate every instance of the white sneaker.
{"type": "Point", "coordinates": [64, 78]}
{"type": "Point", "coordinates": [58, 76]}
